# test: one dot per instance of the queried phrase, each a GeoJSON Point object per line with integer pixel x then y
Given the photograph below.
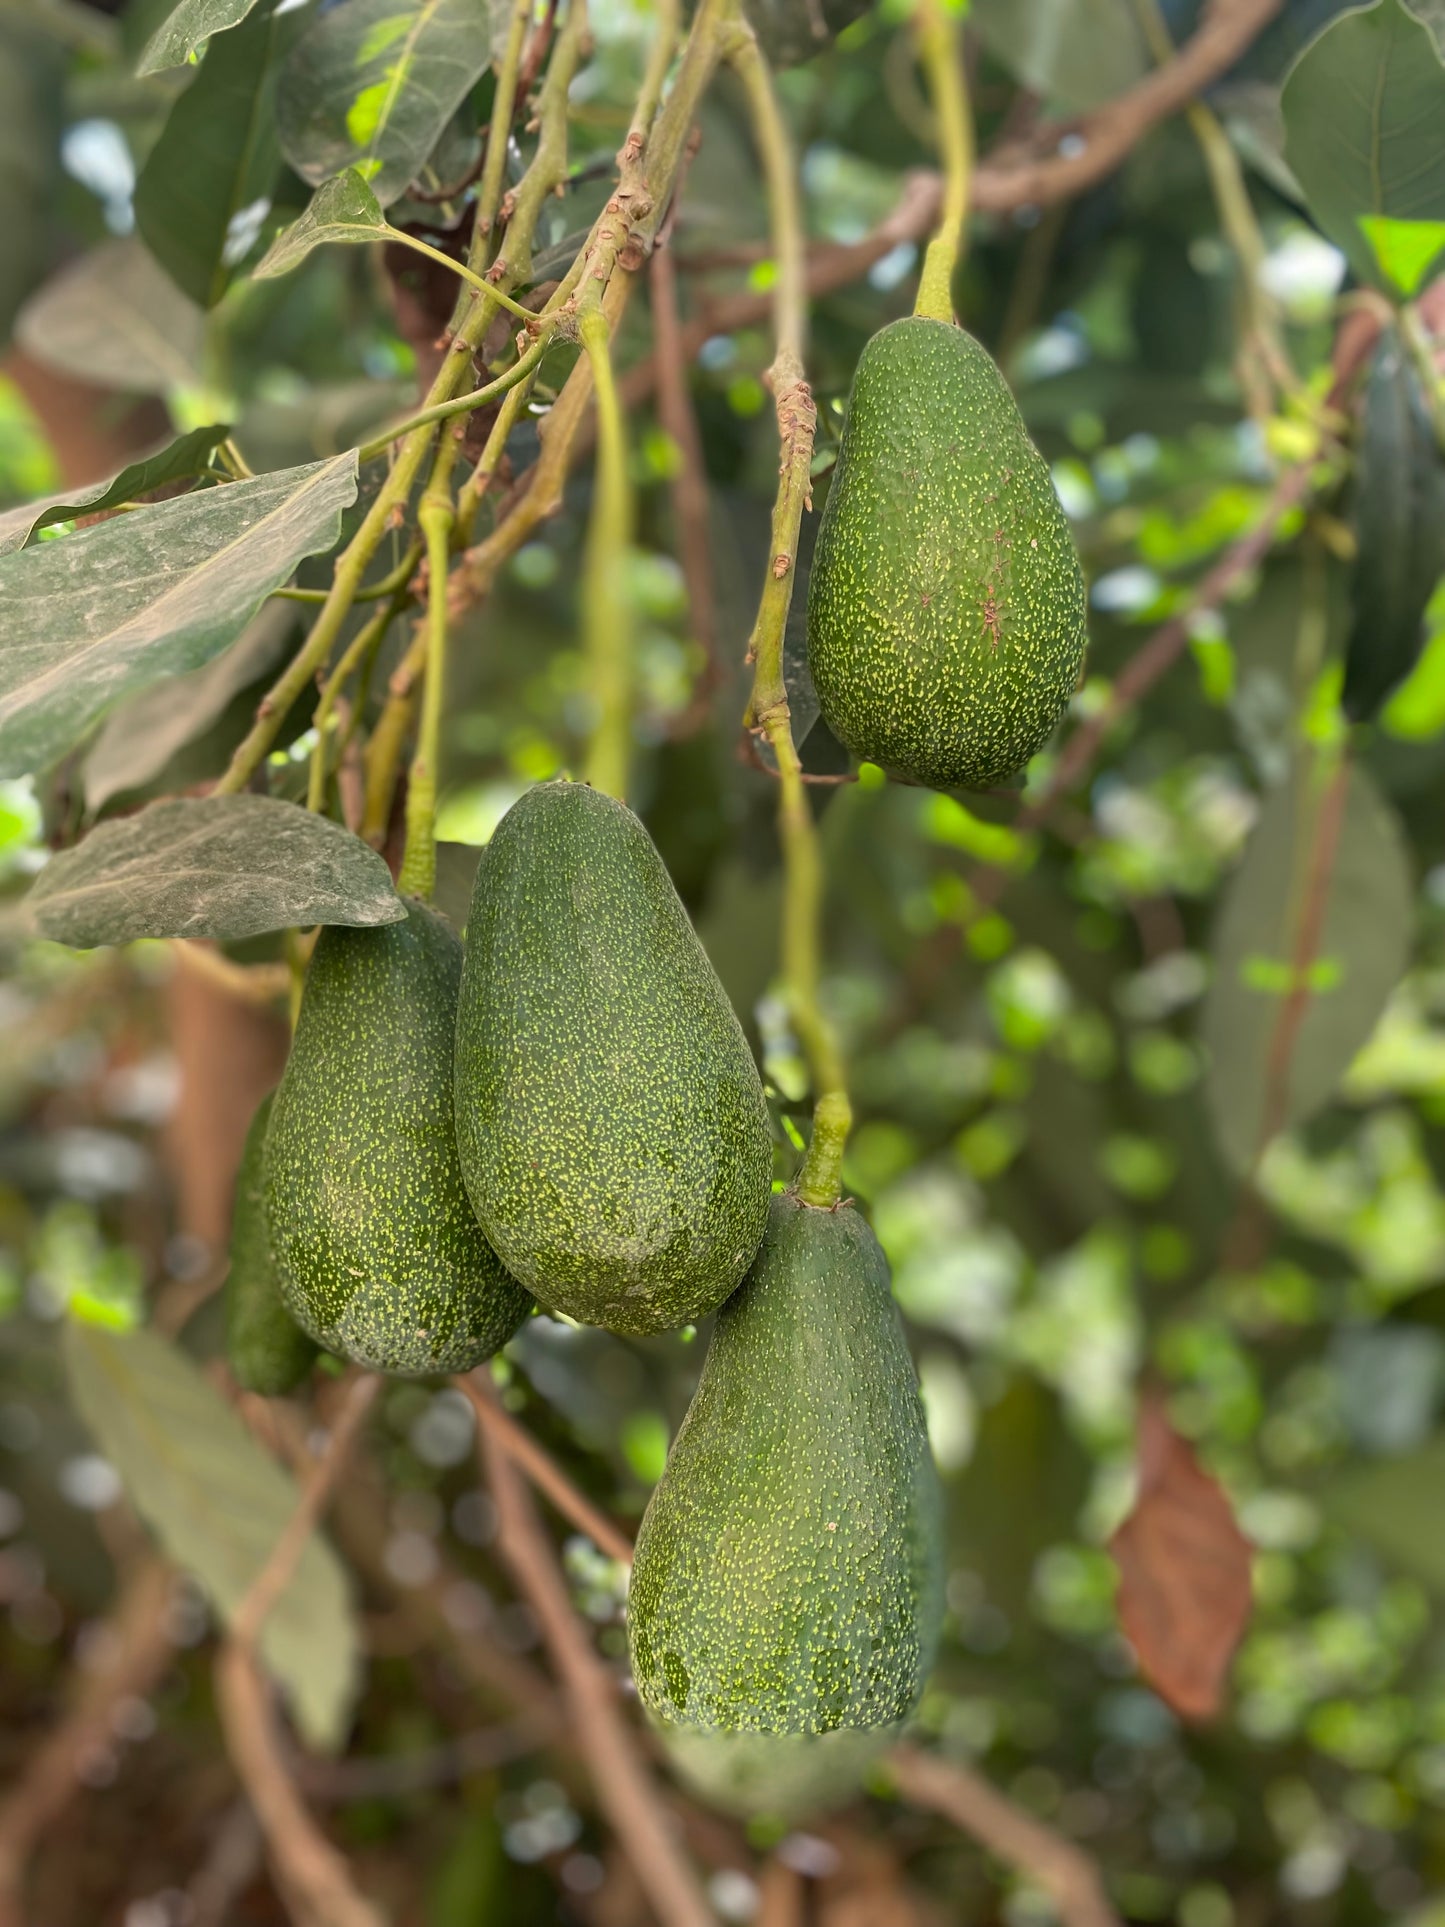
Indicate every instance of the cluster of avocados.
{"type": "Point", "coordinates": [563, 1110]}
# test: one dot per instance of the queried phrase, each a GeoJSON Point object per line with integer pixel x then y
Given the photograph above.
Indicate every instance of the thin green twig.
{"type": "Point", "coordinates": [768, 712]}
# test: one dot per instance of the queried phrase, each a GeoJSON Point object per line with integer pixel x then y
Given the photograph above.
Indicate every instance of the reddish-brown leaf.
{"type": "Point", "coordinates": [1184, 1572]}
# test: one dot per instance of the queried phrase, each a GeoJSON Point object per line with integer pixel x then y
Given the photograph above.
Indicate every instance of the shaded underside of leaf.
{"type": "Point", "coordinates": [217, 1503]}
{"type": "Point", "coordinates": [187, 456]}
{"type": "Point", "coordinates": [1365, 942]}
{"type": "Point", "coordinates": [208, 180]}
{"type": "Point", "coordinates": [187, 28]}
{"type": "Point", "coordinates": [342, 210]}
{"type": "Point", "coordinates": [115, 317]}
{"type": "Point", "coordinates": [1399, 518]}
{"type": "Point", "coordinates": [115, 607]}
{"type": "Point", "coordinates": [223, 867]}
{"type": "Point", "coordinates": [1363, 108]}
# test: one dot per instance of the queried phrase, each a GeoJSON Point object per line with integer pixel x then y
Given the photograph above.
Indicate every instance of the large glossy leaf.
{"type": "Point", "coordinates": [342, 210]}
{"type": "Point", "coordinates": [372, 84]}
{"type": "Point", "coordinates": [1362, 953]}
{"type": "Point", "coordinates": [112, 608]}
{"type": "Point", "coordinates": [1077, 53]}
{"type": "Point", "coordinates": [223, 867]}
{"type": "Point", "coordinates": [115, 317]}
{"type": "Point", "coordinates": [217, 1503]}
{"type": "Point", "coordinates": [1363, 109]}
{"type": "Point", "coordinates": [207, 183]}
{"type": "Point", "coordinates": [187, 29]}
{"type": "Point", "coordinates": [1399, 516]}
{"type": "Point", "coordinates": [187, 456]}
{"type": "Point", "coordinates": [138, 739]}
{"type": "Point", "coordinates": [31, 119]}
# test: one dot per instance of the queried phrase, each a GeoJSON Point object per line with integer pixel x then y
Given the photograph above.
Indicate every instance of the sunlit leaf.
{"type": "Point", "coordinates": [372, 84]}
{"type": "Point", "coordinates": [1310, 850]}
{"type": "Point", "coordinates": [1405, 250]}
{"type": "Point", "coordinates": [114, 607]}
{"type": "Point", "coordinates": [1363, 108]}
{"type": "Point", "coordinates": [217, 1503]}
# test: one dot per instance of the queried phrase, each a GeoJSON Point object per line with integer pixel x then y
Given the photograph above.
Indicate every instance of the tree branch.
{"type": "Point", "coordinates": [543, 1470]}
{"type": "Point", "coordinates": [140, 1649]}
{"type": "Point", "coordinates": [622, 1783]}
{"type": "Point", "coordinates": [314, 1878]}
{"type": "Point", "coordinates": [1064, 1871]}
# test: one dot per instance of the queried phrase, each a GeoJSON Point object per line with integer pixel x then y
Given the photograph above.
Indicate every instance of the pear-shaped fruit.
{"type": "Point", "coordinates": [268, 1351]}
{"type": "Point", "coordinates": [613, 1131]}
{"type": "Point", "coordinates": [378, 1253]}
{"type": "Point", "coordinates": [787, 1588]}
{"type": "Point", "coordinates": [946, 613]}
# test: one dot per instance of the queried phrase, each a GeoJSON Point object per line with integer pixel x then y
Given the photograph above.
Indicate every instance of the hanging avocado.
{"type": "Point", "coordinates": [613, 1131]}
{"type": "Point", "coordinates": [787, 1588]}
{"type": "Point", "coordinates": [946, 614]}
{"type": "Point", "coordinates": [377, 1250]}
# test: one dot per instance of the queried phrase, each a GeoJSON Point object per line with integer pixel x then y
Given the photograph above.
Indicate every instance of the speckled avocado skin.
{"type": "Point", "coordinates": [946, 610]}
{"type": "Point", "coordinates": [612, 1127]}
{"type": "Point", "coordinates": [787, 1585]}
{"type": "Point", "coordinates": [378, 1253]}
{"type": "Point", "coordinates": [268, 1351]}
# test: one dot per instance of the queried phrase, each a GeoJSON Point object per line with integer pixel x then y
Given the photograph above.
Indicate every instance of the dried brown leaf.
{"type": "Point", "coordinates": [1184, 1572]}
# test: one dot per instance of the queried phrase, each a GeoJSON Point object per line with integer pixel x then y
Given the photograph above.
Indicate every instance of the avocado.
{"type": "Point", "coordinates": [946, 612]}
{"type": "Point", "coordinates": [613, 1132]}
{"type": "Point", "coordinates": [268, 1350]}
{"type": "Point", "coordinates": [787, 1586]}
{"type": "Point", "coordinates": [377, 1251]}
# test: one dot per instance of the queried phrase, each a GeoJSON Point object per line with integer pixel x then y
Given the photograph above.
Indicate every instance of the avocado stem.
{"type": "Point", "coordinates": [606, 621]}
{"type": "Point", "coordinates": [436, 515]}
{"type": "Point", "coordinates": [939, 33]}
{"type": "Point", "coordinates": [768, 714]}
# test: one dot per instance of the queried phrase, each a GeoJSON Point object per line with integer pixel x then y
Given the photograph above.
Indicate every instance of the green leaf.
{"type": "Point", "coordinates": [113, 608]}
{"type": "Point", "coordinates": [138, 739]}
{"type": "Point", "coordinates": [189, 455]}
{"type": "Point", "coordinates": [224, 867]}
{"type": "Point", "coordinates": [1394, 1503]}
{"type": "Point", "coordinates": [1399, 517]}
{"type": "Point", "coordinates": [218, 1503]}
{"type": "Point", "coordinates": [1405, 250]}
{"type": "Point", "coordinates": [1363, 108]}
{"type": "Point", "coordinates": [790, 31]}
{"type": "Point", "coordinates": [207, 183]}
{"type": "Point", "coordinates": [1076, 53]}
{"type": "Point", "coordinates": [1362, 954]}
{"type": "Point", "coordinates": [344, 210]}
{"type": "Point", "coordinates": [114, 317]}
{"type": "Point", "coordinates": [373, 83]}
{"type": "Point", "coordinates": [187, 29]}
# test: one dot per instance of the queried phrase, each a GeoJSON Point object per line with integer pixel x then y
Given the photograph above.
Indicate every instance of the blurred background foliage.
{"type": "Point", "coordinates": [1043, 1145]}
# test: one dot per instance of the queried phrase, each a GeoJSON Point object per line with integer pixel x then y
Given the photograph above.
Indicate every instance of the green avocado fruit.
{"type": "Point", "coordinates": [613, 1132]}
{"type": "Point", "coordinates": [378, 1253]}
{"type": "Point", "coordinates": [268, 1351]}
{"type": "Point", "coordinates": [946, 608]}
{"type": "Point", "coordinates": [787, 1587]}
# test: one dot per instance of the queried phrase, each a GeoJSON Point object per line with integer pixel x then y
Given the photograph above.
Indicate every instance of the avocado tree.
{"type": "Point", "coordinates": [721, 832]}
